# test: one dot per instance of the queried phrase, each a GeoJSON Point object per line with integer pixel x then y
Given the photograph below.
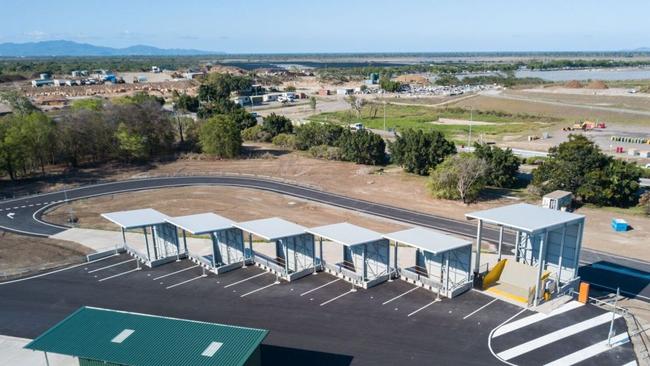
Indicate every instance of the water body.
{"type": "Point", "coordinates": [593, 74]}
{"type": "Point", "coordinates": [307, 64]}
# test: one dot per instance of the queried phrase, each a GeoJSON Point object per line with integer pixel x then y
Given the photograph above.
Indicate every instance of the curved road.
{"type": "Point", "coordinates": [23, 215]}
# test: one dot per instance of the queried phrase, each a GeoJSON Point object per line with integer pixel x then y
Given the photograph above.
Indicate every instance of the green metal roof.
{"type": "Point", "coordinates": [140, 340]}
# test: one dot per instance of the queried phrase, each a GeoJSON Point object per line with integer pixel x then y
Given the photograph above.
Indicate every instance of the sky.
{"type": "Point", "coordinates": [279, 26]}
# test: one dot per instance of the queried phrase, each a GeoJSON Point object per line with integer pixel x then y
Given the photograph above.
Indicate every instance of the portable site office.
{"type": "Point", "coordinates": [365, 253]}
{"type": "Point", "coordinates": [227, 251]}
{"type": "Point", "coordinates": [442, 262]}
{"type": "Point", "coordinates": [164, 246]}
{"type": "Point", "coordinates": [546, 241]}
{"type": "Point", "coordinates": [295, 254]}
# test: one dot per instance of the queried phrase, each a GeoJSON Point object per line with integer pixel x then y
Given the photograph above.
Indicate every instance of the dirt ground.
{"type": "Point", "coordinates": [239, 204]}
{"type": "Point", "coordinates": [22, 254]}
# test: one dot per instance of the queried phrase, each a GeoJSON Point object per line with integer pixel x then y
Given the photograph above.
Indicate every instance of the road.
{"type": "Point", "coordinates": [23, 215]}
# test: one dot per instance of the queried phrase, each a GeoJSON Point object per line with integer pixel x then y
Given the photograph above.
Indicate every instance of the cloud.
{"type": "Point", "coordinates": [36, 34]}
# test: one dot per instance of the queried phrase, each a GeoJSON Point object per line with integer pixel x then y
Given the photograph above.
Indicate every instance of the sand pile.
{"type": "Point", "coordinates": [597, 84]}
{"type": "Point", "coordinates": [573, 84]}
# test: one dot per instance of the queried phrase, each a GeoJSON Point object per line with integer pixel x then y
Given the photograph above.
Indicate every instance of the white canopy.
{"type": "Point", "coordinates": [525, 217]}
{"type": "Point", "coordinates": [271, 229]}
{"type": "Point", "coordinates": [429, 240]}
{"type": "Point", "coordinates": [346, 234]}
{"type": "Point", "coordinates": [202, 223]}
{"type": "Point", "coordinates": [136, 218]}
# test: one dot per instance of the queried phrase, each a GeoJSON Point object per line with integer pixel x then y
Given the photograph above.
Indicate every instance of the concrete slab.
{"type": "Point", "coordinates": [12, 353]}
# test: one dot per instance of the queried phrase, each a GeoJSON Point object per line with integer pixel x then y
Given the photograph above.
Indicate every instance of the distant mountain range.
{"type": "Point", "coordinates": [70, 48]}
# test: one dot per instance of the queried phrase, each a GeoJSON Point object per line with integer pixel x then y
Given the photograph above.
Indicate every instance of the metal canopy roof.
{"type": "Point", "coordinates": [525, 217]}
{"type": "Point", "coordinates": [346, 234]}
{"type": "Point", "coordinates": [271, 229]}
{"type": "Point", "coordinates": [136, 218]}
{"type": "Point", "coordinates": [146, 340]}
{"type": "Point", "coordinates": [202, 223]}
{"type": "Point", "coordinates": [429, 240]}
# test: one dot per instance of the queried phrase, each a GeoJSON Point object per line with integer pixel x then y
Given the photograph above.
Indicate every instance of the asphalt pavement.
{"type": "Point", "coordinates": [23, 215]}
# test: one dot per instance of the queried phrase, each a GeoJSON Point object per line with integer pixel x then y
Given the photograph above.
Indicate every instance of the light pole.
{"type": "Point", "coordinates": [384, 115]}
{"type": "Point", "coordinates": [471, 117]}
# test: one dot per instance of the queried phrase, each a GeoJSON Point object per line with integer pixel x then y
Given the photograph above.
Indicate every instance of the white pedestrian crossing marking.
{"type": "Point", "coordinates": [591, 351]}
{"type": "Point", "coordinates": [555, 336]}
{"type": "Point", "coordinates": [523, 322]}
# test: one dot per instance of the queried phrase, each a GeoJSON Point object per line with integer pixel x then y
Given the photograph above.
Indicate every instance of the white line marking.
{"type": "Point", "coordinates": [492, 332]}
{"type": "Point", "coordinates": [631, 363]}
{"type": "Point", "coordinates": [260, 289]}
{"type": "Point", "coordinates": [11, 215]}
{"type": "Point", "coordinates": [398, 296]}
{"type": "Point", "coordinates": [319, 287]}
{"type": "Point", "coordinates": [246, 279]}
{"type": "Point", "coordinates": [56, 271]}
{"type": "Point", "coordinates": [186, 281]}
{"type": "Point", "coordinates": [337, 297]}
{"type": "Point", "coordinates": [591, 351]}
{"type": "Point", "coordinates": [110, 266]}
{"type": "Point", "coordinates": [555, 336]}
{"type": "Point", "coordinates": [424, 307]}
{"type": "Point", "coordinates": [479, 309]}
{"type": "Point", "coordinates": [119, 274]}
{"type": "Point", "coordinates": [173, 273]}
{"type": "Point", "coordinates": [523, 322]}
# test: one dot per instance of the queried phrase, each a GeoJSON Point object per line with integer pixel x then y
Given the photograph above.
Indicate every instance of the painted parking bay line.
{"type": "Point", "coordinates": [186, 281]}
{"type": "Point", "coordinates": [555, 336]}
{"type": "Point", "coordinates": [591, 351]}
{"type": "Point", "coordinates": [338, 297]}
{"type": "Point", "coordinates": [479, 309]}
{"type": "Point", "coordinates": [424, 307]}
{"type": "Point", "coordinates": [319, 287]}
{"type": "Point", "coordinates": [246, 279]}
{"type": "Point", "coordinates": [260, 289]}
{"type": "Point", "coordinates": [111, 266]}
{"type": "Point", "coordinates": [119, 274]}
{"type": "Point", "coordinates": [523, 322]}
{"type": "Point", "coordinates": [398, 296]}
{"type": "Point", "coordinates": [173, 273]}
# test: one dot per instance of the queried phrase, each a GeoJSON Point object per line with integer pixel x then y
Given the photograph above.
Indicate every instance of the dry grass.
{"type": "Point", "coordinates": [20, 255]}
{"type": "Point", "coordinates": [239, 204]}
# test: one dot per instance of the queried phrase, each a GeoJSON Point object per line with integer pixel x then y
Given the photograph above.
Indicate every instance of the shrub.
{"type": "Point", "coordinates": [418, 152]}
{"type": "Point", "coordinates": [363, 147]}
{"type": "Point", "coordinates": [276, 124]}
{"type": "Point", "coordinates": [220, 136]}
{"type": "Point", "coordinates": [503, 165]}
{"type": "Point", "coordinates": [256, 133]}
{"type": "Point", "coordinates": [535, 160]}
{"type": "Point", "coordinates": [314, 134]}
{"type": "Point", "coordinates": [325, 152]}
{"type": "Point", "coordinates": [459, 177]}
{"type": "Point", "coordinates": [285, 140]}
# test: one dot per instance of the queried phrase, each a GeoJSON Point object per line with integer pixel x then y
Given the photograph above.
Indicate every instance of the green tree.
{"type": "Point", "coordinates": [131, 145]}
{"type": "Point", "coordinates": [503, 165]}
{"type": "Point", "coordinates": [568, 164]}
{"type": "Point", "coordinates": [218, 86]}
{"type": "Point", "coordinates": [91, 104]}
{"type": "Point", "coordinates": [616, 185]}
{"type": "Point", "coordinates": [185, 103]}
{"type": "Point", "coordinates": [19, 103]}
{"type": "Point", "coordinates": [312, 103]}
{"type": "Point", "coordinates": [362, 147]}
{"type": "Point", "coordinates": [418, 151]}
{"type": "Point", "coordinates": [221, 136]}
{"type": "Point", "coordinates": [580, 167]}
{"type": "Point", "coordinates": [459, 177]}
{"type": "Point", "coordinates": [277, 124]}
{"type": "Point", "coordinates": [315, 134]}
{"type": "Point", "coordinates": [447, 80]}
{"type": "Point", "coordinates": [389, 85]}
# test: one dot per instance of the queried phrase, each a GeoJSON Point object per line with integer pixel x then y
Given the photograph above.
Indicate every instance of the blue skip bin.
{"type": "Point", "coordinates": [619, 225]}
